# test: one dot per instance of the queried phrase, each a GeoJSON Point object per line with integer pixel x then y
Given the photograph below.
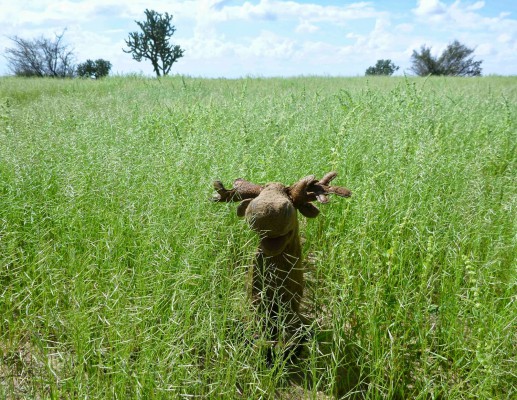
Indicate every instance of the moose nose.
{"type": "Point", "coordinates": [271, 218]}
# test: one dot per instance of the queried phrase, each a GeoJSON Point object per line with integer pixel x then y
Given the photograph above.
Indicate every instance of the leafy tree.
{"type": "Point", "coordinates": [40, 57]}
{"type": "Point", "coordinates": [86, 69]}
{"type": "Point", "coordinates": [454, 61]}
{"type": "Point", "coordinates": [383, 67]}
{"type": "Point", "coordinates": [153, 42]}
{"type": "Point", "coordinates": [94, 69]}
{"type": "Point", "coordinates": [103, 68]}
{"type": "Point", "coordinates": [424, 63]}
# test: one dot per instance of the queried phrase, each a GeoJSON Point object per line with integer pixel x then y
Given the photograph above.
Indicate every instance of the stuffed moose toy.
{"type": "Point", "coordinates": [271, 212]}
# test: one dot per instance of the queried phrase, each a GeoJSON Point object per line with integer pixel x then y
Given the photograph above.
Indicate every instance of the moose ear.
{"type": "Point", "coordinates": [308, 210]}
{"type": "Point", "coordinates": [241, 208]}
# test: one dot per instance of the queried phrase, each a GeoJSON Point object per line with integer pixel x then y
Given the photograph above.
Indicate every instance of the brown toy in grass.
{"type": "Point", "coordinates": [271, 211]}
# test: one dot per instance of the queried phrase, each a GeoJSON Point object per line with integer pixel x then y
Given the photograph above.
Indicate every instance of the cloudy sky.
{"type": "Point", "coordinates": [234, 38]}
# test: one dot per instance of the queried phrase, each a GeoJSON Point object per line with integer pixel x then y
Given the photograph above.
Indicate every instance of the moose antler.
{"type": "Point", "coordinates": [322, 188]}
{"type": "Point", "coordinates": [306, 190]}
{"type": "Point", "coordinates": [302, 193]}
{"type": "Point", "coordinates": [241, 190]}
{"type": "Point", "coordinates": [309, 189]}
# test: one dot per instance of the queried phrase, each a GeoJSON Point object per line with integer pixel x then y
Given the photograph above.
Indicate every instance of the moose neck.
{"type": "Point", "coordinates": [279, 277]}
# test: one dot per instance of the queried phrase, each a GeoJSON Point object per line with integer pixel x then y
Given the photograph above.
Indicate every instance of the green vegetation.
{"type": "Point", "coordinates": [93, 69]}
{"type": "Point", "coordinates": [455, 60]}
{"type": "Point", "coordinates": [153, 42]}
{"type": "Point", "coordinates": [382, 67]}
{"type": "Point", "coordinates": [120, 279]}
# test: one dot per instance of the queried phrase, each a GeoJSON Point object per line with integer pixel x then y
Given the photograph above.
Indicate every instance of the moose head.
{"type": "Point", "coordinates": [271, 211]}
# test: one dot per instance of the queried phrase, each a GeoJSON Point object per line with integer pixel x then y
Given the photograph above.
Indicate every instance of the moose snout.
{"type": "Point", "coordinates": [270, 216]}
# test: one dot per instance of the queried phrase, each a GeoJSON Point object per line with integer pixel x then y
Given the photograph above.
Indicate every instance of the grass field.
{"type": "Point", "coordinates": [120, 279]}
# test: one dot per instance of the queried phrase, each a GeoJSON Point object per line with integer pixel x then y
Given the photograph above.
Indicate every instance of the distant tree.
{"type": "Point", "coordinates": [153, 42]}
{"type": "Point", "coordinates": [454, 61]}
{"type": "Point", "coordinates": [40, 57]}
{"type": "Point", "coordinates": [383, 67]}
{"type": "Point", "coordinates": [103, 68]}
{"type": "Point", "coordinates": [94, 69]}
{"type": "Point", "coordinates": [86, 69]}
{"type": "Point", "coordinates": [424, 63]}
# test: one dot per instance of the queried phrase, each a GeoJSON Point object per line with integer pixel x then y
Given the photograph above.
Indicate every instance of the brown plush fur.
{"type": "Point", "coordinates": [277, 282]}
{"type": "Point", "coordinates": [271, 211]}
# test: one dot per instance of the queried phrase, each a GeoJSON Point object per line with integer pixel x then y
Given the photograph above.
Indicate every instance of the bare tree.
{"type": "Point", "coordinates": [40, 57]}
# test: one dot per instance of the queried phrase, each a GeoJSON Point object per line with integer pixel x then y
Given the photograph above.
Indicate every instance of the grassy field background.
{"type": "Point", "coordinates": [120, 279]}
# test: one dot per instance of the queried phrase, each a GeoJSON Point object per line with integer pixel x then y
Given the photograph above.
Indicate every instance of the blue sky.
{"type": "Point", "coordinates": [233, 38]}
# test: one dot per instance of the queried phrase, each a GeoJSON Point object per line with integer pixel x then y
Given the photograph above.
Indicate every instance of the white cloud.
{"type": "Point", "coordinates": [404, 28]}
{"type": "Point", "coordinates": [281, 10]}
{"type": "Point", "coordinates": [504, 38]}
{"type": "Point", "coordinates": [429, 8]}
{"type": "Point", "coordinates": [485, 49]}
{"type": "Point", "coordinates": [460, 16]}
{"type": "Point", "coordinates": [271, 45]}
{"type": "Point", "coordinates": [476, 6]}
{"type": "Point", "coordinates": [270, 36]}
{"type": "Point", "coordinates": [306, 27]}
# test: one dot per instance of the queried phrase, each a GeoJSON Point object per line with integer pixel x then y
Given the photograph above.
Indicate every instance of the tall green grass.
{"type": "Point", "coordinates": [120, 279]}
